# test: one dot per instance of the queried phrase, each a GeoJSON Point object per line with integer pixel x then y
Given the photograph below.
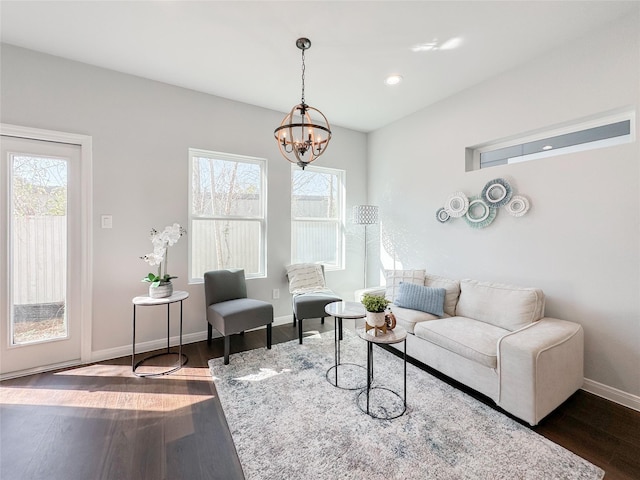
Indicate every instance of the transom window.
{"type": "Point", "coordinates": [227, 213]}
{"type": "Point", "coordinates": [317, 216]}
{"type": "Point", "coordinates": [604, 131]}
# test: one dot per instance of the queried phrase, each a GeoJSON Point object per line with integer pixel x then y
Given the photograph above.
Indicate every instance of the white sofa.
{"type": "Point", "coordinates": [495, 339]}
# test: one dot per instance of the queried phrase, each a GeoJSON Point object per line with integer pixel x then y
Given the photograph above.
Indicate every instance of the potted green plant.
{"type": "Point", "coordinates": [375, 305]}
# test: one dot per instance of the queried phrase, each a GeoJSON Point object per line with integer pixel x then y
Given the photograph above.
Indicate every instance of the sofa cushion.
{"type": "Point", "coordinates": [504, 306]}
{"type": "Point", "coordinates": [419, 297]}
{"type": "Point", "coordinates": [477, 341]}
{"type": "Point", "coordinates": [407, 318]}
{"type": "Point", "coordinates": [394, 277]}
{"type": "Point", "coordinates": [451, 286]}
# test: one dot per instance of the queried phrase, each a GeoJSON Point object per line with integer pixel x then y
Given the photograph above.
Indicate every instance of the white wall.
{"type": "Point", "coordinates": [142, 131]}
{"type": "Point", "coordinates": [580, 240]}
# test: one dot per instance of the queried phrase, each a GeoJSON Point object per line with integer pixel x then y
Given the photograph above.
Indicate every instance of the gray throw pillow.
{"type": "Point", "coordinates": [417, 297]}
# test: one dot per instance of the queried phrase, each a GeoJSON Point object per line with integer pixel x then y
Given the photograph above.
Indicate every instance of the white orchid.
{"type": "Point", "coordinates": [153, 258]}
{"type": "Point", "coordinates": [161, 242]}
{"type": "Point", "coordinates": [172, 234]}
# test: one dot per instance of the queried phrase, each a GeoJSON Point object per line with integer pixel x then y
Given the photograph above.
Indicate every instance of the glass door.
{"type": "Point", "coordinates": [40, 324]}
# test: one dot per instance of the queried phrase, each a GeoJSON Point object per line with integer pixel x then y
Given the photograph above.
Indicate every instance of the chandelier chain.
{"type": "Point", "coordinates": [303, 68]}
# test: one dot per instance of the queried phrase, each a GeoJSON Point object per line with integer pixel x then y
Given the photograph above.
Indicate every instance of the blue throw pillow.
{"type": "Point", "coordinates": [417, 297]}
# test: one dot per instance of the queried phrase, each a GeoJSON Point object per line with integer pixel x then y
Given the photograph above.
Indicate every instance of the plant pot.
{"type": "Point", "coordinates": [165, 289]}
{"type": "Point", "coordinates": [375, 319]}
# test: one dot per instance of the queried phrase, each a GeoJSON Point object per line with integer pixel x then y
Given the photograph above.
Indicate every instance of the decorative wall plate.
{"type": "Point", "coordinates": [479, 214]}
{"type": "Point", "coordinates": [518, 206]}
{"type": "Point", "coordinates": [497, 192]}
{"type": "Point", "coordinates": [442, 215]}
{"type": "Point", "coordinates": [456, 205]}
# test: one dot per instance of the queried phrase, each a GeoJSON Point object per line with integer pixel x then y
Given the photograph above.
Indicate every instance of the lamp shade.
{"type": "Point", "coordinates": [365, 214]}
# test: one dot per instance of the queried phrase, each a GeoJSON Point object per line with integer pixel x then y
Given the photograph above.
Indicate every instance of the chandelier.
{"type": "Point", "coordinates": [300, 138]}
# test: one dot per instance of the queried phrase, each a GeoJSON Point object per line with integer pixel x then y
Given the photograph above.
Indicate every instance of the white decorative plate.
{"type": "Point", "coordinates": [456, 205]}
{"type": "Point", "coordinates": [518, 206]}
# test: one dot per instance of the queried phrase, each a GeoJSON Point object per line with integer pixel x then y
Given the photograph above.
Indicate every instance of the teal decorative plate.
{"type": "Point", "coordinates": [442, 215]}
{"type": "Point", "coordinates": [497, 192]}
{"type": "Point", "coordinates": [479, 214]}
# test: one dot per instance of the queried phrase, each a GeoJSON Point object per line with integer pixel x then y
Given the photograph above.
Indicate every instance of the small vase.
{"type": "Point", "coordinates": [375, 319]}
{"type": "Point", "coordinates": [165, 289]}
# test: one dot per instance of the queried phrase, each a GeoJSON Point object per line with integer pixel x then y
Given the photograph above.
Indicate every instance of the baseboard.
{"type": "Point", "coordinates": [613, 394]}
{"type": "Point", "coordinates": [125, 350]}
{"type": "Point", "coordinates": [282, 320]}
{"type": "Point", "coordinates": [609, 393]}
{"type": "Point", "coordinates": [110, 353]}
{"type": "Point", "coordinates": [46, 368]}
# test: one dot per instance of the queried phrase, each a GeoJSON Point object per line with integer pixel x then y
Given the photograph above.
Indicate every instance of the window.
{"type": "Point", "coordinates": [38, 223]}
{"type": "Point", "coordinates": [317, 216]}
{"type": "Point", "coordinates": [604, 131]}
{"type": "Point", "coordinates": [227, 213]}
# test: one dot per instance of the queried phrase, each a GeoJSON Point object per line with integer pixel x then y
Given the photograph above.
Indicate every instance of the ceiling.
{"type": "Point", "coordinates": [246, 50]}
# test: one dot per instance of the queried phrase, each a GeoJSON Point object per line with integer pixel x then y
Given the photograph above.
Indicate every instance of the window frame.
{"type": "Point", "coordinates": [339, 220]}
{"type": "Point", "coordinates": [261, 219]}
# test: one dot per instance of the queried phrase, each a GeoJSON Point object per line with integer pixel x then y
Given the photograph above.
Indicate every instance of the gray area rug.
{"type": "Point", "coordinates": [288, 422]}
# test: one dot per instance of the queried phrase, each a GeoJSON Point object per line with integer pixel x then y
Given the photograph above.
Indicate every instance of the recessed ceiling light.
{"type": "Point", "coordinates": [393, 80]}
{"type": "Point", "coordinates": [547, 147]}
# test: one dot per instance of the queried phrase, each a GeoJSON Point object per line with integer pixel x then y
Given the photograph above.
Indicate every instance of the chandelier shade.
{"type": "Point", "coordinates": [304, 133]}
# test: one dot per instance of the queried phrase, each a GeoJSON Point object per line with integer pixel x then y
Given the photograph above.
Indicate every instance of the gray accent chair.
{"type": "Point", "coordinates": [311, 305]}
{"type": "Point", "coordinates": [229, 310]}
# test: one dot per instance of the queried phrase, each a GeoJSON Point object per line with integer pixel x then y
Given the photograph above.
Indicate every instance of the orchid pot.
{"type": "Point", "coordinates": [162, 290]}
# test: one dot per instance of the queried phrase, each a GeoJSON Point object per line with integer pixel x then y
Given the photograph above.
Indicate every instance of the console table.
{"type": "Point", "coordinates": [146, 301]}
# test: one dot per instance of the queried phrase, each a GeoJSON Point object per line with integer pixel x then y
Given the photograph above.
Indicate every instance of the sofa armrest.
{"type": "Point", "coordinates": [380, 290]}
{"type": "Point", "coordinates": [540, 366]}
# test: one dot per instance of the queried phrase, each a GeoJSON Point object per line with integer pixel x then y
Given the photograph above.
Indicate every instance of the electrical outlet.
{"type": "Point", "coordinates": [276, 293]}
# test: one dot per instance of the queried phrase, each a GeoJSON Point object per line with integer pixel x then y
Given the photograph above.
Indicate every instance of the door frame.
{"type": "Point", "coordinates": [86, 235]}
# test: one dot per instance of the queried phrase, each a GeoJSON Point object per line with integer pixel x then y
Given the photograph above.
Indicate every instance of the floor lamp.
{"type": "Point", "coordinates": [365, 215]}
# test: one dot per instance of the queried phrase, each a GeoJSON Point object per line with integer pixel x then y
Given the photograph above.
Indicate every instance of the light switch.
{"type": "Point", "coordinates": [107, 221]}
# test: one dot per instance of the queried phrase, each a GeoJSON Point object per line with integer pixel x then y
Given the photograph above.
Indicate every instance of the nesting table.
{"type": "Point", "coordinates": [145, 301]}
{"type": "Point", "coordinates": [397, 335]}
{"type": "Point", "coordinates": [340, 311]}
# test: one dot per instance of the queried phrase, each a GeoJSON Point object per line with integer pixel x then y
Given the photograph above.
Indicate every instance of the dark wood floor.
{"type": "Point", "coordinates": [101, 422]}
